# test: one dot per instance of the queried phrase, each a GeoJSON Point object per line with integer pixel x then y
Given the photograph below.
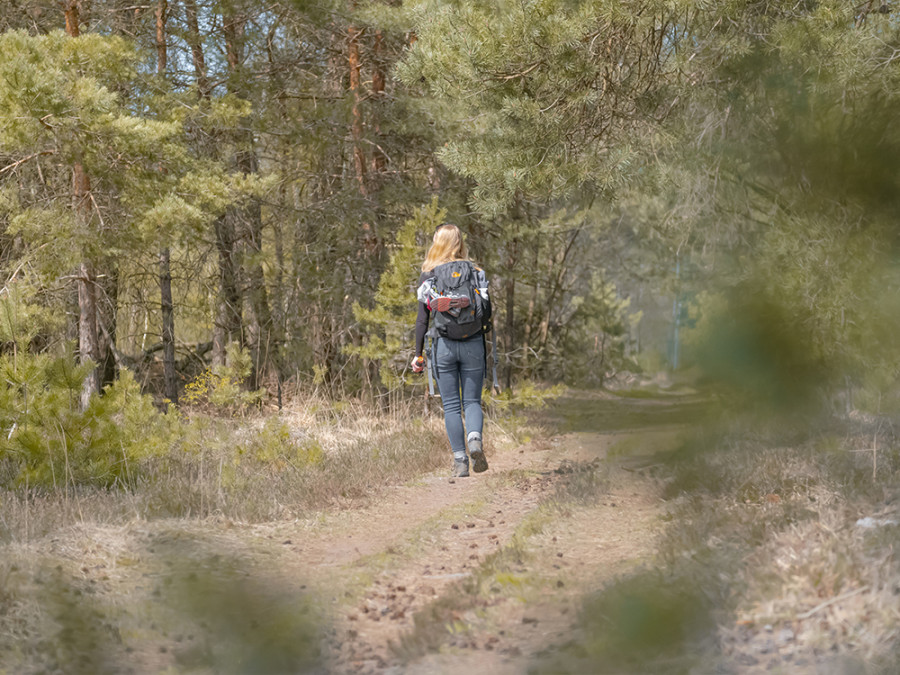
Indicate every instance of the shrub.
{"type": "Point", "coordinates": [221, 388]}
{"type": "Point", "coordinates": [48, 441]}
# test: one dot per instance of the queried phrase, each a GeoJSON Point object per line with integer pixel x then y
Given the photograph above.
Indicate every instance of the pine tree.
{"type": "Point", "coordinates": [557, 90]}
{"type": "Point", "coordinates": [389, 325]}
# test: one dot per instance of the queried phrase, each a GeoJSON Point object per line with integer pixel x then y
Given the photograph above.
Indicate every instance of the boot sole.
{"type": "Point", "coordinates": [479, 462]}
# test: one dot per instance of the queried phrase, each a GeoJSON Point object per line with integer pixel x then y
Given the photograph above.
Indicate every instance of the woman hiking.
{"type": "Point", "coordinates": [453, 296]}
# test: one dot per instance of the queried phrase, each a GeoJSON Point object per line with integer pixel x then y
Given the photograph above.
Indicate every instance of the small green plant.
{"type": "Point", "coordinates": [49, 441]}
{"type": "Point", "coordinates": [274, 443]}
{"type": "Point", "coordinates": [221, 388]}
{"type": "Point", "coordinates": [526, 395]}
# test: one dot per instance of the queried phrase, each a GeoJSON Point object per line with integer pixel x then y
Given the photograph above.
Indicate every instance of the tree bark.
{"type": "Point", "coordinates": [88, 340]}
{"type": "Point", "coordinates": [72, 11]}
{"type": "Point", "coordinates": [106, 288]}
{"type": "Point", "coordinates": [170, 378]}
{"type": "Point", "coordinates": [556, 288]}
{"type": "Point", "coordinates": [378, 84]}
{"type": "Point", "coordinates": [196, 44]}
{"type": "Point", "coordinates": [228, 323]}
{"type": "Point", "coordinates": [532, 305]}
{"type": "Point", "coordinates": [87, 331]}
{"type": "Point", "coordinates": [162, 10]}
{"type": "Point", "coordinates": [356, 123]}
{"type": "Point", "coordinates": [247, 218]}
{"type": "Point", "coordinates": [510, 290]}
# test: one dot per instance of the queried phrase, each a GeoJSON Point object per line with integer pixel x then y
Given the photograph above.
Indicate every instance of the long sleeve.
{"type": "Point", "coordinates": [421, 327]}
{"type": "Point", "coordinates": [421, 319]}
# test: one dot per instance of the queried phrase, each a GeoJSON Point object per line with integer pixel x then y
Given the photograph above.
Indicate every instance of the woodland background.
{"type": "Point", "coordinates": [182, 176]}
{"type": "Point", "coordinates": [212, 215]}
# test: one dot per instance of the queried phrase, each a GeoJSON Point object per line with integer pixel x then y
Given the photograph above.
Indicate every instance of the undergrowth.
{"type": "Point", "coordinates": [764, 561]}
{"type": "Point", "coordinates": [121, 459]}
{"type": "Point", "coordinates": [222, 454]}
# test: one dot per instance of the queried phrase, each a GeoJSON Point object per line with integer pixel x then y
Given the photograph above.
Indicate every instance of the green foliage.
{"type": "Point", "coordinates": [48, 441]}
{"type": "Point", "coordinates": [148, 187]}
{"type": "Point", "coordinates": [275, 445]}
{"type": "Point", "coordinates": [22, 318]}
{"type": "Point", "coordinates": [807, 150]}
{"type": "Point", "coordinates": [250, 625]}
{"type": "Point", "coordinates": [389, 325]}
{"type": "Point", "coordinates": [596, 349]}
{"type": "Point", "coordinates": [555, 89]}
{"type": "Point", "coordinates": [526, 396]}
{"type": "Point", "coordinates": [748, 345]}
{"type": "Point", "coordinates": [223, 388]}
{"type": "Point", "coordinates": [756, 140]}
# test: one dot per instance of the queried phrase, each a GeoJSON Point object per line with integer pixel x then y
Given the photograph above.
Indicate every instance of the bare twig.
{"type": "Point", "coordinates": [513, 76]}
{"type": "Point", "coordinates": [10, 167]}
{"type": "Point", "coordinates": [828, 603]}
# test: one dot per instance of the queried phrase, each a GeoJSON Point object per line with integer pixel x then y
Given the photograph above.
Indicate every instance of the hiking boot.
{"type": "Point", "coordinates": [460, 468]}
{"type": "Point", "coordinates": [479, 462]}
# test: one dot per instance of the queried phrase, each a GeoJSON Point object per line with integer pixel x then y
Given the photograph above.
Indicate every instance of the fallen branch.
{"type": "Point", "coordinates": [827, 603]}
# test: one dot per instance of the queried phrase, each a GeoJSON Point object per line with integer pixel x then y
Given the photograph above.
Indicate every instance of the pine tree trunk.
{"type": "Point", "coordinates": [228, 324]}
{"type": "Point", "coordinates": [161, 53]}
{"type": "Point", "coordinates": [512, 261]}
{"type": "Point", "coordinates": [356, 123]}
{"type": "Point", "coordinates": [227, 321]}
{"type": "Point", "coordinates": [248, 218]}
{"type": "Point", "coordinates": [257, 294]}
{"type": "Point", "coordinates": [88, 342]}
{"type": "Point", "coordinates": [378, 84]}
{"type": "Point", "coordinates": [278, 318]}
{"type": "Point", "coordinates": [532, 305]}
{"type": "Point", "coordinates": [170, 379]}
{"type": "Point", "coordinates": [509, 337]}
{"type": "Point", "coordinates": [87, 331]}
{"type": "Point", "coordinates": [195, 42]}
{"type": "Point", "coordinates": [106, 289]}
{"type": "Point", "coordinates": [72, 10]}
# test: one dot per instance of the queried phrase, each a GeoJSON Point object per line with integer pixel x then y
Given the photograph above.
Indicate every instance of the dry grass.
{"type": "Point", "coordinates": [311, 456]}
{"type": "Point", "coordinates": [762, 564]}
{"type": "Point", "coordinates": [87, 586]}
{"type": "Point", "coordinates": [193, 608]}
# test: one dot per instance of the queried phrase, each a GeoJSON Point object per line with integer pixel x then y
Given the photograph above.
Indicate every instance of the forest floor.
{"type": "Point", "coordinates": [485, 574]}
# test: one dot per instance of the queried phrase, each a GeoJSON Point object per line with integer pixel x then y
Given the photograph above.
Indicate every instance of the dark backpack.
{"type": "Point", "coordinates": [459, 311]}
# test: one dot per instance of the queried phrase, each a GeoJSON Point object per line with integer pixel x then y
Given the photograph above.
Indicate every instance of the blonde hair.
{"type": "Point", "coordinates": [448, 244]}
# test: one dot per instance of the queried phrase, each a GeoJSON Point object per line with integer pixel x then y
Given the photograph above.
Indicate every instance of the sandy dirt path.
{"type": "Point", "coordinates": [480, 574]}
{"type": "Point", "coordinates": [404, 563]}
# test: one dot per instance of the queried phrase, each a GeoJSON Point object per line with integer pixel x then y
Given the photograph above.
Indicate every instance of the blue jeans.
{"type": "Point", "coordinates": [460, 374]}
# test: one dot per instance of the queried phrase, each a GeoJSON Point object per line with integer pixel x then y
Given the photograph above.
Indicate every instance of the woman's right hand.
{"type": "Point", "coordinates": [418, 364]}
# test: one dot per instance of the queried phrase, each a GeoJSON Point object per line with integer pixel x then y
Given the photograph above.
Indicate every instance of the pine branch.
{"type": "Point", "coordinates": [14, 165]}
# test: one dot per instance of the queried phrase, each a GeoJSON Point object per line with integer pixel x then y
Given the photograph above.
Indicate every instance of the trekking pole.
{"type": "Point", "coordinates": [428, 368]}
{"type": "Point", "coordinates": [430, 380]}
{"type": "Point", "coordinates": [494, 364]}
